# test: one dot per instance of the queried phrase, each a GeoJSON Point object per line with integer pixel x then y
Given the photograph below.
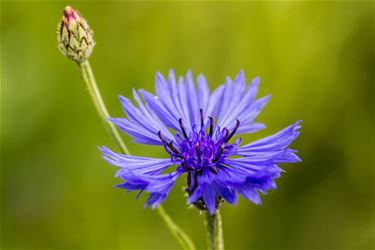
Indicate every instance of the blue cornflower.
{"type": "Point", "coordinates": [202, 147]}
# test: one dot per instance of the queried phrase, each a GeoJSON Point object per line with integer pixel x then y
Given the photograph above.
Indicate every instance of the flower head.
{"type": "Point", "coordinates": [203, 146]}
{"type": "Point", "coordinates": [75, 38]}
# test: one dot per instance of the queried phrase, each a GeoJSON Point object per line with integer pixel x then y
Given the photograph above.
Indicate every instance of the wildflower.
{"type": "Point", "coordinates": [204, 147]}
{"type": "Point", "coordinates": [75, 38]}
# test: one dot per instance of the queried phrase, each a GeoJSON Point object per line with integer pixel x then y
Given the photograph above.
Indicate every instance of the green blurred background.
{"type": "Point", "coordinates": [316, 58]}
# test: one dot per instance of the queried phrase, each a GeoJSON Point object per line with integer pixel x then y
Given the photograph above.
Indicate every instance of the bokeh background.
{"type": "Point", "coordinates": [316, 58]}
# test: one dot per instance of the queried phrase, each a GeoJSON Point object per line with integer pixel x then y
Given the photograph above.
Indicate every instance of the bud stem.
{"type": "Point", "coordinates": [214, 231]}
{"type": "Point", "coordinates": [88, 76]}
{"type": "Point", "coordinates": [89, 79]}
{"type": "Point", "coordinates": [184, 240]}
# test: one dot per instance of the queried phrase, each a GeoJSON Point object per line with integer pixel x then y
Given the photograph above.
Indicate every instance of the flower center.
{"type": "Point", "coordinates": [202, 149]}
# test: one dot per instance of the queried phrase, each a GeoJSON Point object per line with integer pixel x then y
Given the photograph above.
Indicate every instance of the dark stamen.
{"type": "Point", "coordinates": [211, 125]}
{"type": "Point", "coordinates": [183, 128]}
{"type": "Point", "coordinates": [234, 131]}
{"type": "Point", "coordinates": [202, 122]}
{"type": "Point", "coordinates": [199, 171]}
{"type": "Point", "coordinates": [197, 149]}
{"type": "Point", "coordinates": [168, 144]}
{"type": "Point", "coordinates": [226, 135]}
{"type": "Point", "coordinates": [213, 170]}
{"type": "Point", "coordinates": [161, 137]}
{"type": "Point", "coordinates": [219, 154]}
{"type": "Point", "coordinates": [185, 166]}
{"type": "Point", "coordinates": [191, 182]}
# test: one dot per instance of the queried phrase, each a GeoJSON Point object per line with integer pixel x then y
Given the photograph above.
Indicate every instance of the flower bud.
{"type": "Point", "coordinates": [75, 38]}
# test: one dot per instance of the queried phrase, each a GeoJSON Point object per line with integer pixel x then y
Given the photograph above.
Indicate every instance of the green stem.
{"type": "Point", "coordinates": [88, 77]}
{"type": "Point", "coordinates": [177, 232]}
{"type": "Point", "coordinates": [214, 231]}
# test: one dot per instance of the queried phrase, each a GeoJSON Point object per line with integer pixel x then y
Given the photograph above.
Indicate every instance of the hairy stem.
{"type": "Point", "coordinates": [214, 231]}
{"type": "Point", "coordinates": [88, 77]}
{"type": "Point", "coordinates": [183, 239]}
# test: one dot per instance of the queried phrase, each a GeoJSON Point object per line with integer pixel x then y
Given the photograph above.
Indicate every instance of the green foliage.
{"type": "Point", "coordinates": [315, 58]}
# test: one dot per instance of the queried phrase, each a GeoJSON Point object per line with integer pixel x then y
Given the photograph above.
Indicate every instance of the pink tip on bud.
{"type": "Point", "coordinates": [71, 14]}
{"type": "Point", "coordinates": [75, 37]}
